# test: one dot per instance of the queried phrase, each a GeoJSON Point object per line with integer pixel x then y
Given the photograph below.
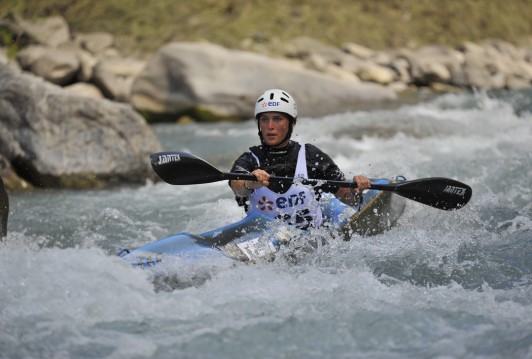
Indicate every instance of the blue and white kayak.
{"type": "Point", "coordinates": [257, 236]}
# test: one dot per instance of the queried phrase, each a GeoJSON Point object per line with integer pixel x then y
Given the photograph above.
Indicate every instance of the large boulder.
{"type": "Point", "coordinates": [55, 138]}
{"type": "Point", "coordinates": [209, 81]}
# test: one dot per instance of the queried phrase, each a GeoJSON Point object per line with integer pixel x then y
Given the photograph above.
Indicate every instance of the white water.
{"type": "Point", "coordinates": [438, 285]}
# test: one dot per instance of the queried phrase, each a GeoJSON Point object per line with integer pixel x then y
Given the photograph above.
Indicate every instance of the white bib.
{"type": "Point", "coordinates": [297, 206]}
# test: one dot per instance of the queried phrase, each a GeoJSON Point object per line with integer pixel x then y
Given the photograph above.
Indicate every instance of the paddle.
{"type": "Point", "coordinates": [181, 168]}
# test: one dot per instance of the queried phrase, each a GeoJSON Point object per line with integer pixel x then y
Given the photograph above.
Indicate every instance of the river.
{"type": "Point", "coordinates": [437, 285]}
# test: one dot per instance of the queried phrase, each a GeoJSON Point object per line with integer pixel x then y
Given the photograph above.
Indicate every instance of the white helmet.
{"type": "Point", "coordinates": [276, 100]}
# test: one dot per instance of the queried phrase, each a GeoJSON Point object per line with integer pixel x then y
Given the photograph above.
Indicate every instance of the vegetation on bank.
{"type": "Point", "coordinates": [143, 26]}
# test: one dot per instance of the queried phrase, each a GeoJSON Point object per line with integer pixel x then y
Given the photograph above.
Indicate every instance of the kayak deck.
{"type": "Point", "coordinates": [256, 236]}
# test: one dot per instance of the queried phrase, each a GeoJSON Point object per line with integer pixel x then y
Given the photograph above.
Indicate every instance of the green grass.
{"type": "Point", "coordinates": [142, 26]}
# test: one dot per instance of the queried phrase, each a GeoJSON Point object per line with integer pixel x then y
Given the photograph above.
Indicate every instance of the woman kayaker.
{"type": "Point", "coordinates": [276, 115]}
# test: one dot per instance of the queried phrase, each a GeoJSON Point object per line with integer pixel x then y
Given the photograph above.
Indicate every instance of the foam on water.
{"type": "Point", "coordinates": [438, 284]}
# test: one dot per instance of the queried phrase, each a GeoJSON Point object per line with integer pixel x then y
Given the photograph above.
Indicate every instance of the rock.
{"type": "Point", "coordinates": [54, 138]}
{"type": "Point", "coordinates": [318, 63]}
{"type": "Point", "coordinates": [505, 48]}
{"type": "Point", "coordinates": [95, 42]}
{"type": "Point", "coordinates": [115, 77]}
{"type": "Point", "coordinates": [340, 73]}
{"type": "Point", "coordinates": [520, 75]}
{"type": "Point", "coordinates": [434, 64]}
{"type": "Point", "coordinates": [483, 68]}
{"type": "Point", "coordinates": [3, 56]}
{"type": "Point", "coordinates": [87, 63]}
{"type": "Point", "coordinates": [85, 90]}
{"type": "Point", "coordinates": [51, 31]}
{"type": "Point", "coordinates": [59, 66]}
{"type": "Point", "coordinates": [358, 51]}
{"type": "Point", "coordinates": [210, 81]}
{"type": "Point", "coordinates": [376, 73]}
{"type": "Point", "coordinates": [29, 55]}
{"type": "Point", "coordinates": [398, 86]}
{"type": "Point", "coordinates": [402, 68]}
{"type": "Point", "coordinates": [11, 180]}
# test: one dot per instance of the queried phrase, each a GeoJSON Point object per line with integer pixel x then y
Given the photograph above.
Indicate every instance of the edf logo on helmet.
{"type": "Point", "coordinates": [270, 103]}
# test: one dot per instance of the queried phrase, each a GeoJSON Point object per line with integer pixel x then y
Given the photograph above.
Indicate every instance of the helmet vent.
{"type": "Point", "coordinates": [285, 100]}
{"type": "Point", "coordinates": [271, 96]}
{"type": "Point", "coordinates": [260, 99]}
{"type": "Point", "coordinates": [287, 95]}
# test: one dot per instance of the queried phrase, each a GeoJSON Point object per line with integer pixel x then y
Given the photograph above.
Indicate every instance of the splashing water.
{"type": "Point", "coordinates": [438, 284]}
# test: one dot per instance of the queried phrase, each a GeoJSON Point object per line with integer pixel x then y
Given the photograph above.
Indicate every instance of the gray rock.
{"type": "Point", "coordinates": [11, 180]}
{"type": "Point", "coordinates": [373, 72]}
{"type": "Point", "coordinates": [27, 56]}
{"type": "Point", "coordinates": [209, 80]}
{"type": "Point", "coordinates": [3, 56]}
{"type": "Point", "coordinates": [54, 138]}
{"type": "Point", "coordinates": [51, 31]}
{"type": "Point", "coordinates": [434, 63]}
{"type": "Point", "coordinates": [59, 66]}
{"type": "Point", "coordinates": [358, 51]}
{"type": "Point", "coordinates": [115, 77]}
{"type": "Point", "coordinates": [85, 89]}
{"type": "Point", "coordinates": [95, 42]}
{"type": "Point", "coordinates": [482, 68]}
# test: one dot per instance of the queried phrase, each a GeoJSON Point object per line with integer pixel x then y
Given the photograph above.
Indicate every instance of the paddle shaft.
{"type": "Point", "coordinates": [442, 193]}
{"type": "Point", "coordinates": [312, 182]}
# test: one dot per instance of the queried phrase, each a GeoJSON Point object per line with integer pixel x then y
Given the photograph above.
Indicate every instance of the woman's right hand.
{"type": "Point", "coordinates": [263, 179]}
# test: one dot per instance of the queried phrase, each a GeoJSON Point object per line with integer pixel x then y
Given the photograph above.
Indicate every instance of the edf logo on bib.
{"type": "Point", "coordinates": [291, 201]}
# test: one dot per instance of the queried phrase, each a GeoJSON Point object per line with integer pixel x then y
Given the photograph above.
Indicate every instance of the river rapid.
{"type": "Point", "coordinates": [438, 285]}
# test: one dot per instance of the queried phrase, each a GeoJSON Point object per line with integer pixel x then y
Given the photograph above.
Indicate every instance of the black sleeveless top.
{"type": "Point", "coordinates": [282, 162]}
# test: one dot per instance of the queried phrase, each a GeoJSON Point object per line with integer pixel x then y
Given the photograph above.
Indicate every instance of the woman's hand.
{"type": "Point", "coordinates": [351, 196]}
{"type": "Point", "coordinates": [362, 182]}
{"type": "Point", "coordinates": [243, 188]}
{"type": "Point", "coordinates": [263, 179]}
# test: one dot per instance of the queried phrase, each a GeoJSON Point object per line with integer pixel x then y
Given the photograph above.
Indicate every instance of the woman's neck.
{"type": "Point", "coordinates": [280, 150]}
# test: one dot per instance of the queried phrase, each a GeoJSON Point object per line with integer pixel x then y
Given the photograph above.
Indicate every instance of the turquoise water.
{"type": "Point", "coordinates": [438, 285]}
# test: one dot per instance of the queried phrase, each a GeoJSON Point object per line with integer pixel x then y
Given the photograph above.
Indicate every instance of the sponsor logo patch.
{"type": "Point", "coordinates": [459, 191]}
{"type": "Point", "coordinates": [168, 158]}
{"type": "Point", "coordinates": [270, 103]}
{"type": "Point", "coordinates": [265, 203]}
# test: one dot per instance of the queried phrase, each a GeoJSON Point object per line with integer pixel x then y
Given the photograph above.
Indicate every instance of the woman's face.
{"type": "Point", "coordinates": [274, 127]}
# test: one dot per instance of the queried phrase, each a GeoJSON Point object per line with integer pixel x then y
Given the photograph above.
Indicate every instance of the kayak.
{"type": "Point", "coordinates": [257, 236]}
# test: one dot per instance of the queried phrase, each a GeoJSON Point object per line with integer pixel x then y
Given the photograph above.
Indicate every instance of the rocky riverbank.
{"type": "Point", "coordinates": [73, 110]}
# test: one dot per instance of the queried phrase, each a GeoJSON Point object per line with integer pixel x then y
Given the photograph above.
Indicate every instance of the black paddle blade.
{"type": "Point", "coordinates": [442, 193]}
{"type": "Point", "coordinates": [181, 168]}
